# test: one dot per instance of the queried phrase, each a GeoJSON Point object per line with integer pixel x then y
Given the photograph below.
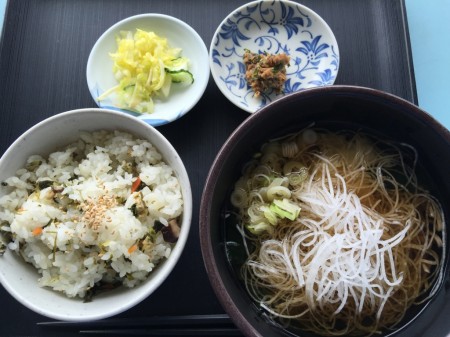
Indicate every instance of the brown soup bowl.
{"type": "Point", "coordinates": [335, 108]}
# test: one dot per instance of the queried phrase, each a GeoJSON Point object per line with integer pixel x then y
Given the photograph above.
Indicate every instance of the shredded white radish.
{"type": "Point", "coordinates": [366, 245]}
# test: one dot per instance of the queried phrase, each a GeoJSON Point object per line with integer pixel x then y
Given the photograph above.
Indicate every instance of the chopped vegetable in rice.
{"type": "Point", "coordinates": [102, 212]}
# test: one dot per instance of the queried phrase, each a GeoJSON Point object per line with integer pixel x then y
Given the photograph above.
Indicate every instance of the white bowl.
{"type": "Point", "coordinates": [100, 76]}
{"type": "Point", "coordinates": [21, 279]}
{"type": "Point", "coordinates": [274, 27]}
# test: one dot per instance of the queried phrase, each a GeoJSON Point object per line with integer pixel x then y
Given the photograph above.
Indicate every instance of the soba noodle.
{"type": "Point", "coordinates": [345, 241]}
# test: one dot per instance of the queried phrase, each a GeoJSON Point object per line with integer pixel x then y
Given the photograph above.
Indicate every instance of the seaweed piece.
{"type": "Point", "coordinates": [32, 166]}
{"type": "Point", "coordinates": [44, 184]}
{"type": "Point", "coordinates": [100, 287]}
{"type": "Point", "coordinates": [133, 210]}
{"type": "Point", "coordinates": [5, 237]}
{"type": "Point", "coordinates": [157, 226]}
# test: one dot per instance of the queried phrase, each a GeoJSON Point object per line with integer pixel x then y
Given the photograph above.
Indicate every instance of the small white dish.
{"type": "Point", "coordinates": [275, 27]}
{"type": "Point", "coordinates": [100, 75]}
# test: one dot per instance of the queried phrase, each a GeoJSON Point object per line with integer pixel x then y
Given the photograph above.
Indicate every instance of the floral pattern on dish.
{"type": "Point", "coordinates": [275, 27]}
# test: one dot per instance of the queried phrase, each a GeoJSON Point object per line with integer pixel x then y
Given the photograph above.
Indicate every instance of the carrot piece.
{"type": "Point", "coordinates": [37, 231]}
{"type": "Point", "coordinates": [135, 185]}
{"type": "Point", "coordinates": [132, 249]}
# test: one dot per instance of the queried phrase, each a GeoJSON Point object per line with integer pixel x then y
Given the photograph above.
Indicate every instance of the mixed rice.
{"type": "Point", "coordinates": [102, 212]}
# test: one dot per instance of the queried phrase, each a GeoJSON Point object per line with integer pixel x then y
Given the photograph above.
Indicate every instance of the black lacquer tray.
{"type": "Point", "coordinates": [43, 54]}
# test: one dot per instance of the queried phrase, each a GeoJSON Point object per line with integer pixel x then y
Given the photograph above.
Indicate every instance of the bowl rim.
{"type": "Point", "coordinates": [203, 79]}
{"type": "Point", "coordinates": [215, 170]}
{"type": "Point", "coordinates": [216, 77]}
{"type": "Point", "coordinates": [169, 263]}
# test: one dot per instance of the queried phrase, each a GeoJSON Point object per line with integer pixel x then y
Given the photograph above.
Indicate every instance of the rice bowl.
{"type": "Point", "coordinates": [77, 213]}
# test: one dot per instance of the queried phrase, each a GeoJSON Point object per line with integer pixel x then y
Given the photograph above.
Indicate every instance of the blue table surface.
{"type": "Point", "coordinates": [429, 29]}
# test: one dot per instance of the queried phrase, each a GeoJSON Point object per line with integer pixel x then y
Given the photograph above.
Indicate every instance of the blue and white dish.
{"type": "Point", "coordinates": [275, 26]}
{"type": "Point", "coordinates": [100, 75]}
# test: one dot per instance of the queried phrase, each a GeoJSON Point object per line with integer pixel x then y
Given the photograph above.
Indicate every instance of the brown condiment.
{"type": "Point", "coordinates": [265, 72]}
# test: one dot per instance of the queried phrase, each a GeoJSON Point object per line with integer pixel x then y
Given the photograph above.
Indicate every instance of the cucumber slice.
{"type": "Point", "coordinates": [181, 76]}
{"type": "Point", "coordinates": [180, 63]}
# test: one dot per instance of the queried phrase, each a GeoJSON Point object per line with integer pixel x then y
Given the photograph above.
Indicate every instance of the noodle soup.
{"type": "Point", "coordinates": [333, 233]}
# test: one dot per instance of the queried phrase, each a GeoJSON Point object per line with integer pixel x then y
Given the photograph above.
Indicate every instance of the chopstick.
{"type": "Point", "coordinates": [165, 332]}
{"type": "Point", "coordinates": [184, 325]}
{"type": "Point", "coordinates": [147, 321]}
